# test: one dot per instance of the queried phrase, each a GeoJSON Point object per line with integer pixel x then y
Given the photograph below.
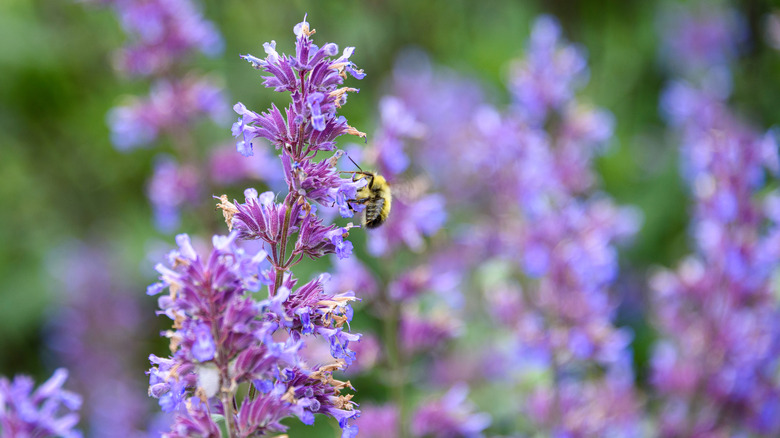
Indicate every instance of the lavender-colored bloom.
{"type": "Point", "coordinates": [203, 348]}
{"type": "Point", "coordinates": [583, 133]}
{"type": "Point", "coordinates": [343, 248]}
{"type": "Point", "coordinates": [451, 415]}
{"type": "Point", "coordinates": [259, 217]}
{"type": "Point", "coordinates": [397, 124]}
{"type": "Point", "coordinates": [433, 277]}
{"type": "Point", "coordinates": [308, 309]}
{"type": "Point", "coordinates": [48, 410]}
{"type": "Point", "coordinates": [368, 351]}
{"type": "Point", "coordinates": [351, 274]}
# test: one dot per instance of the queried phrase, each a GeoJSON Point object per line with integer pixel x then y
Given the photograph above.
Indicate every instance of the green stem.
{"type": "Point", "coordinates": [283, 246]}
{"type": "Point", "coordinates": [227, 404]}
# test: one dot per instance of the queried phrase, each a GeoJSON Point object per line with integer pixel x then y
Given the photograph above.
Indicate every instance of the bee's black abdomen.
{"type": "Point", "coordinates": [373, 212]}
{"type": "Point", "coordinates": [375, 223]}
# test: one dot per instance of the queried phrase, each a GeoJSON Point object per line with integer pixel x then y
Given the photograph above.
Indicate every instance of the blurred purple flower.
{"type": "Point", "coordinates": [413, 219]}
{"type": "Point", "coordinates": [170, 106]}
{"type": "Point", "coordinates": [549, 75]}
{"type": "Point", "coordinates": [46, 411]}
{"type": "Point", "coordinates": [162, 32]}
{"type": "Point", "coordinates": [378, 421]}
{"type": "Point", "coordinates": [351, 274]}
{"type": "Point", "coordinates": [700, 41]}
{"type": "Point", "coordinates": [171, 188]}
{"type": "Point", "coordinates": [227, 167]}
{"type": "Point", "coordinates": [451, 415]}
{"type": "Point", "coordinates": [530, 174]}
{"type": "Point", "coordinates": [90, 334]}
{"type": "Point", "coordinates": [717, 314]}
{"type": "Point", "coordinates": [418, 334]}
{"type": "Point", "coordinates": [584, 408]}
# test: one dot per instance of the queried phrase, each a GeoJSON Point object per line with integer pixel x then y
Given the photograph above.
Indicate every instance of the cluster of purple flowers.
{"type": "Point", "coordinates": [170, 106]}
{"type": "Point", "coordinates": [714, 365]}
{"type": "Point", "coordinates": [163, 35]}
{"type": "Point", "coordinates": [224, 341]}
{"type": "Point", "coordinates": [533, 181]}
{"type": "Point", "coordinates": [49, 410]}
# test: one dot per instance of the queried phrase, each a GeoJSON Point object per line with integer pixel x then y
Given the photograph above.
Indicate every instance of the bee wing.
{"type": "Point", "coordinates": [410, 190]}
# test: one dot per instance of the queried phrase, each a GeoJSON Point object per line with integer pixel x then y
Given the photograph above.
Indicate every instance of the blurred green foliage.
{"type": "Point", "coordinates": [62, 179]}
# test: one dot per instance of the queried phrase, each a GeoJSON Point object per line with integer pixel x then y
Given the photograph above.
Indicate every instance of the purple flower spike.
{"type": "Point", "coordinates": [551, 73]}
{"type": "Point", "coordinates": [228, 329]}
{"type": "Point", "coordinates": [313, 78]}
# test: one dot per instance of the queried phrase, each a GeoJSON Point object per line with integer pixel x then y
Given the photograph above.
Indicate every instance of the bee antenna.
{"type": "Point", "coordinates": [353, 162]}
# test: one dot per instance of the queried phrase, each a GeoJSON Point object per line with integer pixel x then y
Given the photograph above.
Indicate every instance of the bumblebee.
{"type": "Point", "coordinates": [376, 196]}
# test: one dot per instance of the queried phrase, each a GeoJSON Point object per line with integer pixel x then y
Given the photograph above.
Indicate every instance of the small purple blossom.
{"type": "Point", "coordinates": [343, 247]}
{"type": "Point", "coordinates": [203, 348]}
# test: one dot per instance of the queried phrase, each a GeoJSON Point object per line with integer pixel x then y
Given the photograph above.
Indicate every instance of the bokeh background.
{"type": "Point", "coordinates": [63, 183]}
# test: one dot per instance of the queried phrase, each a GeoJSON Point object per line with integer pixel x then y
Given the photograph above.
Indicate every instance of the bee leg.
{"type": "Point", "coordinates": [362, 201]}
